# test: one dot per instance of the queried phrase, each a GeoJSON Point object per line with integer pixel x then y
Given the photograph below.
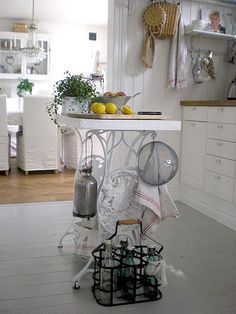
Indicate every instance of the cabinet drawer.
{"type": "Point", "coordinates": [222, 114]}
{"type": "Point", "coordinates": [219, 185]}
{"type": "Point", "coordinates": [195, 113]}
{"type": "Point", "coordinates": [220, 165]}
{"type": "Point", "coordinates": [222, 131]}
{"type": "Point", "coordinates": [221, 149]}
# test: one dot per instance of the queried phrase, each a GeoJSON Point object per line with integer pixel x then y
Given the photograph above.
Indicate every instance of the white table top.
{"type": "Point", "coordinates": [121, 125]}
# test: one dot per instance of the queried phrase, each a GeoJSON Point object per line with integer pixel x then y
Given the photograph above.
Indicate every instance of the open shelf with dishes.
{"type": "Point", "coordinates": [208, 34]}
{"type": "Point", "coordinates": [13, 66]}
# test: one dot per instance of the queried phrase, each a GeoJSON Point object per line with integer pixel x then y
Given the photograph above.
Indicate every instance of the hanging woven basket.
{"type": "Point", "coordinates": [161, 19]}
{"type": "Point", "coordinates": [154, 18]}
{"type": "Point", "coordinates": [172, 18]}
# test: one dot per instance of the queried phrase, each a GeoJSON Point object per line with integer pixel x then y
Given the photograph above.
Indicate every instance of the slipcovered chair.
{"type": "Point", "coordinates": [38, 145]}
{"type": "Point", "coordinates": [71, 147]}
{"type": "Point", "coordinates": [4, 136]}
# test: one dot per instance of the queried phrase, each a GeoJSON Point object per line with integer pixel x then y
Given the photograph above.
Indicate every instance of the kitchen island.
{"type": "Point", "coordinates": [120, 141]}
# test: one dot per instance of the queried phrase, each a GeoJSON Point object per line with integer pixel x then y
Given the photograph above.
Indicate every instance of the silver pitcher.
{"type": "Point", "coordinates": [85, 194]}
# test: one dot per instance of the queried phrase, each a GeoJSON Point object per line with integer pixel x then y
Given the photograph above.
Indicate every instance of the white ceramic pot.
{"type": "Point", "coordinates": [72, 105]}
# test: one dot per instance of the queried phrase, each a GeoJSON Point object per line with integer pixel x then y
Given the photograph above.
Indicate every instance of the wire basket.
{"type": "Point", "coordinates": [141, 288]}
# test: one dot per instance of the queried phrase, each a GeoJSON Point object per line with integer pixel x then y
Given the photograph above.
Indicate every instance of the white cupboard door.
{"type": "Point", "coordinates": [221, 114]}
{"type": "Point", "coordinates": [221, 149]}
{"type": "Point", "coordinates": [219, 185]}
{"type": "Point", "coordinates": [222, 131]}
{"type": "Point", "coordinates": [221, 165]}
{"type": "Point", "coordinates": [193, 153]}
{"type": "Point", "coordinates": [195, 113]}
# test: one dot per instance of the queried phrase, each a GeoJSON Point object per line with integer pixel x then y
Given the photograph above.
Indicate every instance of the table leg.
{"type": "Point", "coordinates": [109, 141]}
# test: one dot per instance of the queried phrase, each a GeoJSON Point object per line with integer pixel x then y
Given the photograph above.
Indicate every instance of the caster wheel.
{"type": "Point", "coordinates": [76, 285]}
{"type": "Point", "coordinates": [60, 246]}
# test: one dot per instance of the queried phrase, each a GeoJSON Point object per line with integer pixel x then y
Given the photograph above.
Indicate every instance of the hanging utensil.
{"type": "Point", "coordinates": [199, 73]}
{"type": "Point", "coordinates": [85, 191]}
{"type": "Point", "coordinates": [157, 163]}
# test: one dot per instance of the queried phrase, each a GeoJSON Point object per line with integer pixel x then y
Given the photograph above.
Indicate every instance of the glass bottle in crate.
{"type": "Point", "coordinates": [124, 243]}
{"type": "Point", "coordinates": [108, 275]}
{"type": "Point", "coordinates": [122, 255]}
{"type": "Point", "coordinates": [129, 275]}
{"type": "Point", "coordinates": [150, 286]}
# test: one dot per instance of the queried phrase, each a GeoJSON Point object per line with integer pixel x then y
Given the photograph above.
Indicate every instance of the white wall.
{"type": "Point", "coordinates": [70, 50]}
{"type": "Point", "coordinates": [127, 72]}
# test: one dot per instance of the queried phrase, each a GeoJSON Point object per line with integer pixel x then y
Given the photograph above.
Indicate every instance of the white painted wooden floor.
{"type": "Point", "coordinates": [35, 276]}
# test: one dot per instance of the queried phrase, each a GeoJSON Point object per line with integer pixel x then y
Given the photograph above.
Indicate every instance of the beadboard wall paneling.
{"type": "Point", "coordinates": [130, 75]}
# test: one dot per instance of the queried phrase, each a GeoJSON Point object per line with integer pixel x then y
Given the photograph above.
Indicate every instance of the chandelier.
{"type": "Point", "coordinates": [32, 52]}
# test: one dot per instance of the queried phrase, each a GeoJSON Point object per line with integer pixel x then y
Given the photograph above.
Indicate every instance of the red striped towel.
{"type": "Point", "coordinates": [157, 205]}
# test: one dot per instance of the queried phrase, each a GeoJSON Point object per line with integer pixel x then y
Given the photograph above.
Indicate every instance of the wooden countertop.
{"type": "Point", "coordinates": [214, 103]}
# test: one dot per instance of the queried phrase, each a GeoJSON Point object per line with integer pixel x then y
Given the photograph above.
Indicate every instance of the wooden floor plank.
{"type": "Point", "coordinates": [38, 186]}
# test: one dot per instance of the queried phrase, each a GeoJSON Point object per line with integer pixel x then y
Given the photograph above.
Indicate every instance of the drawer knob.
{"type": "Point", "coordinates": [219, 126]}
{"type": "Point", "coordinates": [219, 143]}
{"type": "Point", "coordinates": [217, 177]}
{"type": "Point", "coordinates": [194, 108]}
{"type": "Point", "coordinates": [221, 109]}
{"type": "Point", "coordinates": [218, 161]}
{"type": "Point", "coordinates": [193, 124]}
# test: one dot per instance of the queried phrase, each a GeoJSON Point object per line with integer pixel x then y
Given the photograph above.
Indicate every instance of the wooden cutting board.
{"type": "Point", "coordinates": [116, 116]}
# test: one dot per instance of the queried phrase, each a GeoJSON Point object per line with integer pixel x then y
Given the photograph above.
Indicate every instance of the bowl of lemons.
{"type": "Point", "coordinates": [118, 99]}
{"type": "Point", "coordinates": [111, 103]}
{"type": "Point", "coordinates": [110, 108]}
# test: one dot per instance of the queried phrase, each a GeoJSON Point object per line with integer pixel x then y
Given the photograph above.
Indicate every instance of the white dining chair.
{"type": "Point", "coordinates": [4, 136]}
{"type": "Point", "coordinates": [71, 147]}
{"type": "Point", "coordinates": [38, 145]}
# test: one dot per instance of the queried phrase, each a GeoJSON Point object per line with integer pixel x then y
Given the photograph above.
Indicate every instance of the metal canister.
{"type": "Point", "coordinates": [85, 194]}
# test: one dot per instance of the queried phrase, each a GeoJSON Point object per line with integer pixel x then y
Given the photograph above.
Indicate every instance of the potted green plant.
{"type": "Point", "coordinates": [24, 87]}
{"type": "Point", "coordinates": [73, 93]}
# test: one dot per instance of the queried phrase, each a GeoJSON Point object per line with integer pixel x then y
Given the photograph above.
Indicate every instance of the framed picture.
{"type": "Point", "coordinates": [215, 22]}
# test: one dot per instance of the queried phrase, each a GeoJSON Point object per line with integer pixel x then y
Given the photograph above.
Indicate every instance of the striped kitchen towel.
{"type": "Point", "coordinates": [157, 204]}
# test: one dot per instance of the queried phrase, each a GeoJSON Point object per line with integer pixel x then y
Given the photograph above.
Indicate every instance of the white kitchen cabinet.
{"type": "Point", "coordinates": [208, 160]}
{"type": "Point", "coordinates": [220, 165]}
{"type": "Point", "coordinates": [219, 185]}
{"type": "Point", "coordinates": [12, 66]}
{"type": "Point", "coordinates": [221, 149]}
{"type": "Point", "coordinates": [193, 153]}
{"type": "Point", "coordinates": [195, 113]}
{"type": "Point", "coordinates": [222, 114]}
{"type": "Point", "coordinates": [221, 131]}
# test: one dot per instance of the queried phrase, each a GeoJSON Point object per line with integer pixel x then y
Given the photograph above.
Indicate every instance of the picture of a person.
{"type": "Point", "coordinates": [214, 22]}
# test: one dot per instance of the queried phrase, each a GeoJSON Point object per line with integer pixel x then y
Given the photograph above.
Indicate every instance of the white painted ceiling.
{"type": "Point", "coordinates": [60, 11]}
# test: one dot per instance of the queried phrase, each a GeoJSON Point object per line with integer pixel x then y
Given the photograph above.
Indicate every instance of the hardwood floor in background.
{"type": "Point", "coordinates": [38, 186]}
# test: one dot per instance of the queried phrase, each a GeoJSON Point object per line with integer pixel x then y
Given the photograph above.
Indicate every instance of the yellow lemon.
{"type": "Point", "coordinates": [111, 108]}
{"type": "Point", "coordinates": [98, 107]}
{"type": "Point", "coordinates": [126, 109]}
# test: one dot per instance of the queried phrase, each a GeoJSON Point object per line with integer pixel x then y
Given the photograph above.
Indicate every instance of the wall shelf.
{"type": "Point", "coordinates": [197, 32]}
